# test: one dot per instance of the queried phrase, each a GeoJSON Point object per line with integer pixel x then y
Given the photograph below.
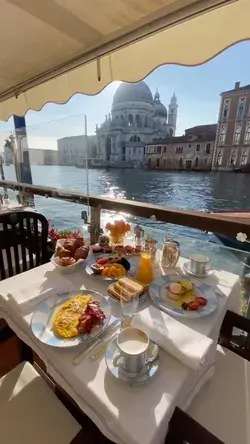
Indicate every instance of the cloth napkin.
{"type": "Point", "coordinates": [25, 298]}
{"type": "Point", "coordinates": [182, 342]}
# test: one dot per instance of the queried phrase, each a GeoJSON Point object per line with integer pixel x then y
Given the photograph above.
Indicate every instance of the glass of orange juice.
{"type": "Point", "coordinates": [145, 273]}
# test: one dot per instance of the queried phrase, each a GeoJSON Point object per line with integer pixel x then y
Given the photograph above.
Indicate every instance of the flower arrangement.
{"type": "Point", "coordinates": [55, 234]}
{"type": "Point", "coordinates": [117, 230]}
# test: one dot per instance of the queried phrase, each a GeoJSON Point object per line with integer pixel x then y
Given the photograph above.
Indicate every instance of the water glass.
{"type": "Point", "coordinates": [129, 306]}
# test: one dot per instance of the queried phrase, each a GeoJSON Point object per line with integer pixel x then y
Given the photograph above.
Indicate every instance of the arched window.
{"type": "Point", "coordinates": [219, 158]}
{"type": "Point", "coordinates": [122, 116]}
{"type": "Point", "coordinates": [237, 132]}
{"type": "Point", "coordinates": [225, 109]}
{"type": "Point", "coordinates": [241, 107]}
{"type": "Point", "coordinates": [247, 133]}
{"type": "Point", "coordinates": [130, 120]}
{"type": "Point", "coordinates": [146, 121]}
{"type": "Point", "coordinates": [196, 162]}
{"type": "Point", "coordinates": [223, 133]}
{"type": "Point", "coordinates": [244, 158]}
{"type": "Point", "coordinates": [138, 120]}
{"type": "Point", "coordinates": [208, 148]}
{"type": "Point", "coordinates": [233, 158]}
{"type": "Point", "coordinates": [135, 139]}
{"type": "Point", "coordinates": [180, 162]}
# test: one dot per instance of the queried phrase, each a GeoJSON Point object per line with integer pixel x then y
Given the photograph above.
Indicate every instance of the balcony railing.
{"type": "Point", "coordinates": [194, 219]}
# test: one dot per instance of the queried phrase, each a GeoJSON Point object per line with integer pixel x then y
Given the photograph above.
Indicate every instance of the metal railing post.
{"type": "Point", "coordinates": [95, 224]}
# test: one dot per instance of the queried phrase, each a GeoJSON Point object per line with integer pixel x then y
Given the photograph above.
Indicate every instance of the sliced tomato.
{"type": "Point", "coordinates": [202, 301]}
{"type": "Point", "coordinates": [193, 305]}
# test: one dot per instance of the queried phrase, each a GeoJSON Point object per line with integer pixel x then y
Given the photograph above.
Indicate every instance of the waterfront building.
{"type": "Point", "coordinates": [136, 119]}
{"type": "Point", "coordinates": [233, 137]}
{"type": "Point", "coordinates": [39, 156]}
{"type": "Point", "coordinates": [72, 150]}
{"type": "Point", "coordinates": [192, 151]}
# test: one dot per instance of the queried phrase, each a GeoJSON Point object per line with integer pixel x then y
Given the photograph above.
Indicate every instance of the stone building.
{"type": "Point", "coordinates": [72, 150]}
{"type": "Point", "coordinates": [233, 136]}
{"type": "Point", "coordinates": [136, 119]}
{"type": "Point", "coordinates": [192, 151]}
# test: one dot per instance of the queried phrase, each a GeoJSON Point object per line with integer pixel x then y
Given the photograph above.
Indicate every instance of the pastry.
{"type": "Point", "coordinates": [62, 252]}
{"type": "Point", "coordinates": [81, 253]}
{"type": "Point", "coordinates": [79, 242]}
{"type": "Point", "coordinates": [66, 261]}
{"type": "Point", "coordinates": [69, 244]}
{"type": "Point", "coordinates": [96, 249]}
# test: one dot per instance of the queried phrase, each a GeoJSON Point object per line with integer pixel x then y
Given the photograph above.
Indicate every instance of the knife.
{"type": "Point", "coordinates": [78, 358]}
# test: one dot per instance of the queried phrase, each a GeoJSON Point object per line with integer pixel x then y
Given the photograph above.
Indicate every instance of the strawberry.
{"type": "Point", "coordinates": [202, 301]}
{"type": "Point", "coordinates": [193, 305]}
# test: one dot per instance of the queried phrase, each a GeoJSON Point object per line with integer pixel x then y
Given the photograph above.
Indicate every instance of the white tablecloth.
{"type": "Point", "coordinates": [138, 415]}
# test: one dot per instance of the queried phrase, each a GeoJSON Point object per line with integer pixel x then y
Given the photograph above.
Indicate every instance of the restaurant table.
{"type": "Point", "coordinates": [126, 415]}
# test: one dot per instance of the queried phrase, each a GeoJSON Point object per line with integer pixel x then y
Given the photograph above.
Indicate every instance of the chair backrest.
{"type": "Point", "coordinates": [23, 242]}
{"type": "Point", "coordinates": [184, 429]}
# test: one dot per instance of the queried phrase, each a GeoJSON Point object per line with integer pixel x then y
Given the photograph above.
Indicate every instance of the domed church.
{"type": "Point", "coordinates": [135, 120]}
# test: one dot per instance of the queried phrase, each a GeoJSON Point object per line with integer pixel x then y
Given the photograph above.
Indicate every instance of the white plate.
{"type": "Point", "coordinates": [42, 320]}
{"type": "Point", "coordinates": [158, 294]}
{"type": "Point", "coordinates": [89, 270]}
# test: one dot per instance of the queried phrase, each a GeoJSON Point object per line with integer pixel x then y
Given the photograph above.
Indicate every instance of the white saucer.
{"type": "Point", "coordinates": [186, 268]}
{"type": "Point", "coordinates": [123, 376]}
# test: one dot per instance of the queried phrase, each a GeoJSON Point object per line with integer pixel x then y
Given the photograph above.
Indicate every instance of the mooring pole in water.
{"type": "Point", "coordinates": [23, 157]}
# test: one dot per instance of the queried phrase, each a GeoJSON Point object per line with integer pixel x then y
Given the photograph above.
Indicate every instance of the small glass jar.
{"type": "Point", "coordinates": [170, 253]}
{"type": "Point", "coordinates": [151, 247]}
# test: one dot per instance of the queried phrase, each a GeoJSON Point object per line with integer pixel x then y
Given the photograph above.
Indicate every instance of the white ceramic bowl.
{"type": "Point", "coordinates": [70, 268]}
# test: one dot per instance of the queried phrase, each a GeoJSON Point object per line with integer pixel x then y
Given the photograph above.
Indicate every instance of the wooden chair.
{"type": "Point", "coordinates": [23, 242]}
{"type": "Point", "coordinates": [30, 412]}
{"type": "Point", "coordinates": [23, 245]}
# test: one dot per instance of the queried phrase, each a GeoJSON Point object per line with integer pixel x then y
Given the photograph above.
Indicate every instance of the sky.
{"type": "Point", "coordinates": [197, 89]}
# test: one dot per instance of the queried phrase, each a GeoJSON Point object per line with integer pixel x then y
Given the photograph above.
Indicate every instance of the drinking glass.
{"type": "Point", "coordinates": [129, 306]}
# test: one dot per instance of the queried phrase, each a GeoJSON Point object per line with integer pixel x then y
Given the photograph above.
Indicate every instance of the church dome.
{"type": "Point", "coordinates": [131, 92]}
{"type": "Point", "coordinates": [159, 109]}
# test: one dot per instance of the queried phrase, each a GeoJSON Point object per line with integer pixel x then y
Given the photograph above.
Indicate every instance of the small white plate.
{"type": "Point", "coordinates": [123, 376]}
{"type": "Point", "coordinates": [186, 268]}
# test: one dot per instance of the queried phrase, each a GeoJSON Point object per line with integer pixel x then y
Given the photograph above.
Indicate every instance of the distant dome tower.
{"type": "Point", "coordinates": [172, 114]}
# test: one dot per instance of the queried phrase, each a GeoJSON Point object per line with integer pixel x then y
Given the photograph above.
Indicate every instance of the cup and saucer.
{"type": "Point", "coordinates": [198, 265]}
{"type": "Point", "coordinates": [127, 357]}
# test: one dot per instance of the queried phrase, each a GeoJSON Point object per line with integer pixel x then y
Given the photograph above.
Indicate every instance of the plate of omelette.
{"type": "Point", "coordinates": [71, 318]}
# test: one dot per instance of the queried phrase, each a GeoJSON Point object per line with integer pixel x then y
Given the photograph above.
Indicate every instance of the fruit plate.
{"type": "Point", "coordinates": [42, 320]}
{"type": "Point", "coordinates": [158, 294]}
{"type": "Point", "coordinates": [131, 272]}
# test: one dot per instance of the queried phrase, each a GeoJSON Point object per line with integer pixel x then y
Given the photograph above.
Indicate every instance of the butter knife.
{"type": "Point", "coordinates": [78, 358]}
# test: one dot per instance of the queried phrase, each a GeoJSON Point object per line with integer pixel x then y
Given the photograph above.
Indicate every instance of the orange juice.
{"type": "Point", "coordinates": [145, 272]}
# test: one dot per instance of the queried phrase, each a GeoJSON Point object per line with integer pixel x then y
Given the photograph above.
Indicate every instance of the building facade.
{"type": "Point", "coordinates": [192, 151]}
{"type": "Point", "coordinates": [232, 151]}
{"type": "Point", "coordinates": [72, 150]}
{"type": "Point", "coordinates": [135, 120]}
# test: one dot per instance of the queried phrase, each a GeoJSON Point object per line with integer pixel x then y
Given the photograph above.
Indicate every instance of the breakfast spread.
{"type": "Point", "coordinates": [72, 251]}
{"type": "Point", "coordinates": [183, 292]}
{"type": "Point", "coordinates": [127, 287]}
{"type": "Point", "coordinates": [112, 267]}
{"type": "Point", "coordinates": [76, 316]}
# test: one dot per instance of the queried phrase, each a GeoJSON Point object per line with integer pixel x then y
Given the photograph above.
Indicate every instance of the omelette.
{"type": "Point", "coordinates": [67, 318]}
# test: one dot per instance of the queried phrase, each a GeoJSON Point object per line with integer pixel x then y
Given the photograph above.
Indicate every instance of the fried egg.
{"type": "Point", "coordinates": [67, 318]}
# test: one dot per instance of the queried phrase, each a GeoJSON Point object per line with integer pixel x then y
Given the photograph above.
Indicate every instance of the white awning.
{"type": "Point", "coordinates": [51, 49]}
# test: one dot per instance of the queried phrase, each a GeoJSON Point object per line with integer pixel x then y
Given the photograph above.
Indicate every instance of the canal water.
{"type": "Point", "coordinates": [202, 191]}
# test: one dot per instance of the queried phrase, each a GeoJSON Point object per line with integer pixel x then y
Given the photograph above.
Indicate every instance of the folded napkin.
{"type": "Point", "coordinates": [24, 299]}
{"type": "Point", "coordinates": [182, 342]}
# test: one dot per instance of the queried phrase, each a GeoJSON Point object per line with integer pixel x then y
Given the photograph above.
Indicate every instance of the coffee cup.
{"type": "Point", "coordinates": [132, 344]}
{"type": "Point", "coordinates": [199, 264]}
